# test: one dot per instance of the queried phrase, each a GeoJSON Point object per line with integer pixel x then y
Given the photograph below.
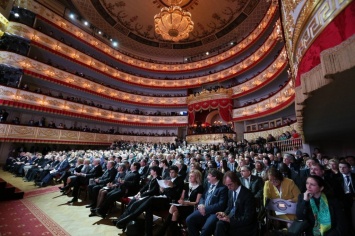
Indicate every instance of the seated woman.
{"type": "Point", "coordinates": [149, 189]}
{"type": "Point", "coordinates": [190, 197]}
{"type": "Point", "coordinates": [324, 215]}
{"type": "Point", "coordinates": [277, 186]}
{"type": "Point", "coordinates": [223, 167]}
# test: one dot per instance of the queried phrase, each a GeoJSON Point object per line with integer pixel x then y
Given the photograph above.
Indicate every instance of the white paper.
{"type": "Point", "coordinates": [176, 204]}
{"type": "Point", "coordinates": [279, 213]}
{"type": "Point", "coordinates": [162, 184]}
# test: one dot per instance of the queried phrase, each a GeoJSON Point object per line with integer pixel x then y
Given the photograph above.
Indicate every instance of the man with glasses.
{"type": "Point", "coordinates": [240, 216]}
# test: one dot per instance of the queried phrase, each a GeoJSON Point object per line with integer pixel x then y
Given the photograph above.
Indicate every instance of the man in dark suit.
{"type": "Point", "coordinates": [129, 186]}
{"type": "Point", "coordinates": [347, 180]}
{"type": "Point", "coordinates": [172, 192]}
{"type": "Point", "coordinates": [95, 172]}
{"type": "Point", "coordinates": [232, 164]}
{"type": "Point", "coordinates": [58, 170]}
{"type": "Point", "coordinates": [240, 216]}
{"type": "Point", "coordinates": [107, 177]}
{"type": "Point", "coordinates": [212, 201]}
{"type": "Point", "coordinates": [254, 183]}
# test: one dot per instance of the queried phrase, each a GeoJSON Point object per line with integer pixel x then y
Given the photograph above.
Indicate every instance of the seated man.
{"type": "Point", "coordinates": [149, 204]}
{"type": "Point", "coordinates": [129, 186]}
{"type": "Point", "coordinates": [240, 216]}
{"type": "Point", "coordinates": [107, 177]}
{"type": "Point", "coordinates": [254, 183]}
{"type": "Point", "coordinates": [83, 178]}
{"type": "Point", "coordinates": [58, 170]}
{"type": "Point", "coordinates": [212, 201]}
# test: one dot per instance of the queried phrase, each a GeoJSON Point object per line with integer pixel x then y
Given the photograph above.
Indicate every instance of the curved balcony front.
{"type": "Point", "coordinates": [66, 26]}
{"type": "Point", "coordinates": [31, 134]}
{"type": "Point", "coordinates": [63, 50]}
{"type": "Point", "coordinates": [282, 99]}
{"type": "Point", "coordinates": [27, 100]}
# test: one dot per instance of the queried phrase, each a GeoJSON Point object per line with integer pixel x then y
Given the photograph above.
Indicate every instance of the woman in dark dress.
{"type": "Point", "coordinates": [190, 197]}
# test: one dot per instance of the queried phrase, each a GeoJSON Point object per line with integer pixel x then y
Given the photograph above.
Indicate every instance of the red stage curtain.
{"type": "Point", "coordinates": [224, 107]}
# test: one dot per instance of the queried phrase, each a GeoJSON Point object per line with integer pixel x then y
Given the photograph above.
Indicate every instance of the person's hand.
{"type": "Point", "coordinates": [96, 180]}
{"type": "Point", "coordinates": [220, 215]}
{"type": "Point", "coordinates": [201, 208]}
{"type": "Point", "coordinates": [181, 201]}
{"type": "Point", "coordinates": [307, 195]}
{"type": "Point", "coordinates": [225, 218]}
{"type": "Point", "coordinates": [138, 195]}
{"type": "Point", "coordinates": [169, 183]}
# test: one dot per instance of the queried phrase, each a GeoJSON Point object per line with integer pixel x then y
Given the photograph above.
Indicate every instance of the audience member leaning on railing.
{"type": "Point", "coordinates": [276, 186]}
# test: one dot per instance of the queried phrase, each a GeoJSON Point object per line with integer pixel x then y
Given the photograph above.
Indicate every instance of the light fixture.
{"type": "Point", "coordinates": [86, 23]}
{"type": "Point", "coordinates": [173, 23]}
{"type": "Point", "coordinates": [17, 15]}
{"type": "Point", "coordinates": [72, 16]}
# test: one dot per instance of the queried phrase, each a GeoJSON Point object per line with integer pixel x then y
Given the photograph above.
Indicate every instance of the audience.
{"type": "Point", "coordinates": [103, 173]}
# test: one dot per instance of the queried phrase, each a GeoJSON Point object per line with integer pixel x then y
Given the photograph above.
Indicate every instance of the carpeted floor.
{"type": "Point", "coordinates": [44, 211]}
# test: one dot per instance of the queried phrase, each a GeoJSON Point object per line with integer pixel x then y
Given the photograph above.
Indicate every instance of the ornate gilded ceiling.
{"type": "Point", "coordinates": [131, 23]}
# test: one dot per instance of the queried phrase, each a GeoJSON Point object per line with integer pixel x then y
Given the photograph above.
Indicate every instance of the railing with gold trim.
{"type": "Point", "coordinates": [206, 95]}
{"type": "Point", "coordinates": [31, 134]}
{"type": "Point", "coordinates": [265, 77]}
{"type": "Point", "coordinates": [65, 25]}
{"type": "Point", "coordinates": [44, 71]}
{"type": "Point", "coordinates": [277, 102]}
{"type": "Point", "coordinates": [24, 99]}
{"type": "Point", "coordinates": [208, 138]}
{"type": "Point", "coordinates": [276, 132]}
{"type": "Point", "coordinates": [83, 59]}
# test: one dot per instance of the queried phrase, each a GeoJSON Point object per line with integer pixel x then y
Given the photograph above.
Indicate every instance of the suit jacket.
{"type": "Point", "coordinates": [245, 211]}
{"type": "Point", "coordinates": [151, 188]}
{"type": "Point", "coordinates": [256, 185]}
{"type": "Point", "coordinates": [218, 201]}
{"type": "Point", "coordinates": [174, 193]}
{"type": "Point", "coordinates": [144, 172]}
{"type": "Point", "coordinates": [63, 166]}
{"type": "Point", "coordinates": [94, 172]}
{"type": "Point", "coordinates": [108, 176]}
{"type": "Point", "coordinates": [131, 183]}
{"type": "Point", "coordinates": [234, 169]}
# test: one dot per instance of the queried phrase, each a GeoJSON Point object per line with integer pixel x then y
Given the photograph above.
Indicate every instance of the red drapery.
{"type": "Point", "coordinates": [224, 107]}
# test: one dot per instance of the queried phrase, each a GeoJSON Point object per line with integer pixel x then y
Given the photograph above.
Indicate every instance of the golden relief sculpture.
{"type": "Point", "coordinates": [69, 135]}
{"type": "Point", "coordinates": [208, 138]}
{"type": "Point", "coordinates": [48, 133]}
{"type": "Point", "coordinates": [274, 132]}
{"type": "Point", "coordinates": [21, 131]}
{"type": "Point", "coordinates": [60, 22]}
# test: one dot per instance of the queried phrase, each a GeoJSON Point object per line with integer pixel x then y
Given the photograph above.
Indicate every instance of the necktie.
{"type": "Point", "coordinates": [209, 195]}
{"type": "Point", "coordinates": [232, 212]}
{"type": "Point", "coordinates": [350, 186]}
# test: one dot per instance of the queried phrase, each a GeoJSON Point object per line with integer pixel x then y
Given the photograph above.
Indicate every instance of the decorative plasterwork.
{"type": "Point", "coordinates": [209, 138]}
{"type": "Point", "coordinates": [55, 46]}
{"type": "Point", "coordinates": [206, 95]}
{"type": "Point", "coordinates": [274, 132]}
{"type": "Point", "coordinates": [34, 101]}
{"type": "Point", "coordinates": [277, 102]}
{"type": "Point", "coordinates": [337, 59]}
{"type": "Point", "coordinates": [303, 28]}
{"type": "Point", "coordinates": [65, 25]}
{"type": "Point", "coordinates": [3, 24]}
{"type": "Point", "coordinates": [30, 134]}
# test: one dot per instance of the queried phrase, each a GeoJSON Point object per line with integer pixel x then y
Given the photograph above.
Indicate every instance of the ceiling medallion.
{"type": "Point", "coordinates": [173, 23]}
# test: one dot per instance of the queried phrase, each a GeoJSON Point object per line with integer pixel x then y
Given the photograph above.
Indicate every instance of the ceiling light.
{"type": "Point", "coordinates": [72, 16]}
{"type": "Point", "coordinates": [115, 44]}
{"type": "Point", "coordinates": [100, 32]}
{"type": "Point", "coordinates": [86, 23]}
{"type": "Point", "coordinates": [16, 15]}
{"type": "Point", "coordinates": [207, 53]}
{"type": "Point", "coordinates": [173, 23]}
